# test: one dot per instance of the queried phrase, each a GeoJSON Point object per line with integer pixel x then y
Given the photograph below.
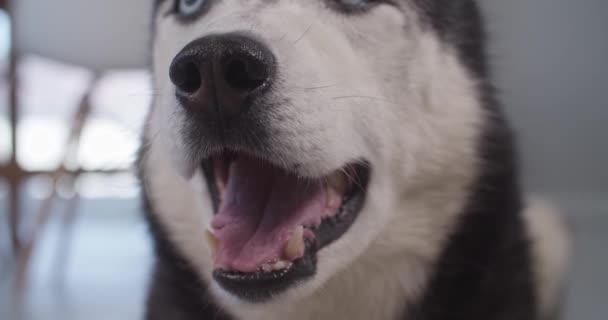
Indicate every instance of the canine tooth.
{"type": "Point", "coordinates": [295, 246]}
{"type": "Point", "coordinates": [221, 187]}
{"type": "Point", "coordinates": [213, 241]}
{"type": "Point", "coordinates": [333, 198]}
{"type": "Point", "coordinates": [338, 181]}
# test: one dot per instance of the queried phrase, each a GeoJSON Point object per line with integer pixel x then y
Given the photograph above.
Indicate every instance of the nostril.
{"type": "Point", "coordinates": [186, 77]}
{"type": "Point", "coordinates": [245, 73]}
{"type": "Point", "coordinates": [222, 74]}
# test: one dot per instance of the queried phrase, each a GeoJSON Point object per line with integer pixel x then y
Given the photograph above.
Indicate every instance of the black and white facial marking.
{"type": "Point", "coordinates": [321, 159]}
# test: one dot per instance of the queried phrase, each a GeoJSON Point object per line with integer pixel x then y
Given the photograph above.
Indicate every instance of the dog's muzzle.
{"type": "Point", "coordinates": [269, 221]}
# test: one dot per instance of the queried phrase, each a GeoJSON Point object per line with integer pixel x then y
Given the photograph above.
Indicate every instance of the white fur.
{"type": "Point", "coordinates": [392, 95]}
{"type": "Point", "coordinates": [551, 248]}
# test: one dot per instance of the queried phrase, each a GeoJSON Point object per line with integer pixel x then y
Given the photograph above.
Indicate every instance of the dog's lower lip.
{"type": "Point", "coordinates": [263, 284]}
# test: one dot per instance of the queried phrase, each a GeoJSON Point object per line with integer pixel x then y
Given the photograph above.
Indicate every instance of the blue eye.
{"type": "Point", "coordinates": [190, 7]}
{"type": "Point", "coordinates": [353, 2]}
{"type": "Point", "coordinates": [354, 5]}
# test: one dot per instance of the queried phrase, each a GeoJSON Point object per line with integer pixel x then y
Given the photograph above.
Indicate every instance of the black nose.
{"type": "Point", "coordinates": [222, 73]}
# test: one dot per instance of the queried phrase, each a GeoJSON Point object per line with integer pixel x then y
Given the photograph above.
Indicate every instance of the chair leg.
{"type": "Point", "coordinates": [25, 254]}
{"type": "Point", "coordinates": [16, 175]}
{"type": "Point", "coordinates": [66, 233]}
{"type": "Point", "coordinates": [13, 213]}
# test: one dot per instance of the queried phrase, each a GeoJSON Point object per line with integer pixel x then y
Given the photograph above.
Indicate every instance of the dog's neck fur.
{"type": "Point", "coordinates": [367, 290]}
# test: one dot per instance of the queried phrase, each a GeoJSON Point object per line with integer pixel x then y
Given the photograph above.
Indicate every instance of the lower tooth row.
{"type": "Point", "coordinates": [280, 265]}
{"type": "Point", "coordinates": [277, 266]}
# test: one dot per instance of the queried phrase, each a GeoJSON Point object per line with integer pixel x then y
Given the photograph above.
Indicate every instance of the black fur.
{"type": "Point", "coordinates": [458, 22]}
{"type": "Point", "coordinates": [483, 273]}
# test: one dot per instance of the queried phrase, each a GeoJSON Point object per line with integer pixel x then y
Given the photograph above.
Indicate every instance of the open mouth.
{"type": "Point", "coordinates": [269, 223]}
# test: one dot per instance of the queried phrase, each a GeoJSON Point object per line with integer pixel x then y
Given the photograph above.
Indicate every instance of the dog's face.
{"type": "Point", "coordinates": [289, 137]}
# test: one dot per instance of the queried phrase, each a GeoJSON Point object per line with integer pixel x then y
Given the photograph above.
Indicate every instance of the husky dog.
{"type": "Point", "coordinates": [337, 159]}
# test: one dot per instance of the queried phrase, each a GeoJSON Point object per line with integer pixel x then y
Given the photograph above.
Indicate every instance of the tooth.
{"type": "Point", "coordinates": [338, 181]}
{"type": "Point", "coordinates": [213, 242]}
{"type": "Point", "coordinates": [221, 186]}
{"type": "Point", "coordinates": [280, 265]}
{"type": "Point", "coordinates": [336, 185]}
{"type": "Point", "coordinates": [333, 198]}
{"type": "Point", "coordinates": [220, 167]}
{"type": "Point", "coordinates": [295, 246]}
{"type": "Point", "coordinates": [266, 267]}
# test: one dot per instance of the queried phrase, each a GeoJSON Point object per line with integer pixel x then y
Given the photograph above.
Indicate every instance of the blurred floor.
{"type": "Point", "coordinates": [109, 262]}
{"type": "Point", "coordinates": [106, 271]}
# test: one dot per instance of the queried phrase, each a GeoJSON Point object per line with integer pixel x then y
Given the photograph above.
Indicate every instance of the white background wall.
{"type": "Point", "coordinates": [551, 59]}
{"type": "Point", "coordinates": [551, 63]}
{"type": "Point", "coordinates": [95, 33]}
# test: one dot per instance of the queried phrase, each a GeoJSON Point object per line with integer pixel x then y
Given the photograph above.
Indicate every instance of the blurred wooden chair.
{"type": "Point", "coordinates": [98, 35]}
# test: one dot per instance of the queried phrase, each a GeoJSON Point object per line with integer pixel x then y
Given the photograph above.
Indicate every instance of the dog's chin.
{"type": "Point", "coordinates": [270, 223]}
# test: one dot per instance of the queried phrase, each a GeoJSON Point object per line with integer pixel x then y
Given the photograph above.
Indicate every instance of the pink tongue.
{"type": "Point", "coordinates": [260, 209]}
